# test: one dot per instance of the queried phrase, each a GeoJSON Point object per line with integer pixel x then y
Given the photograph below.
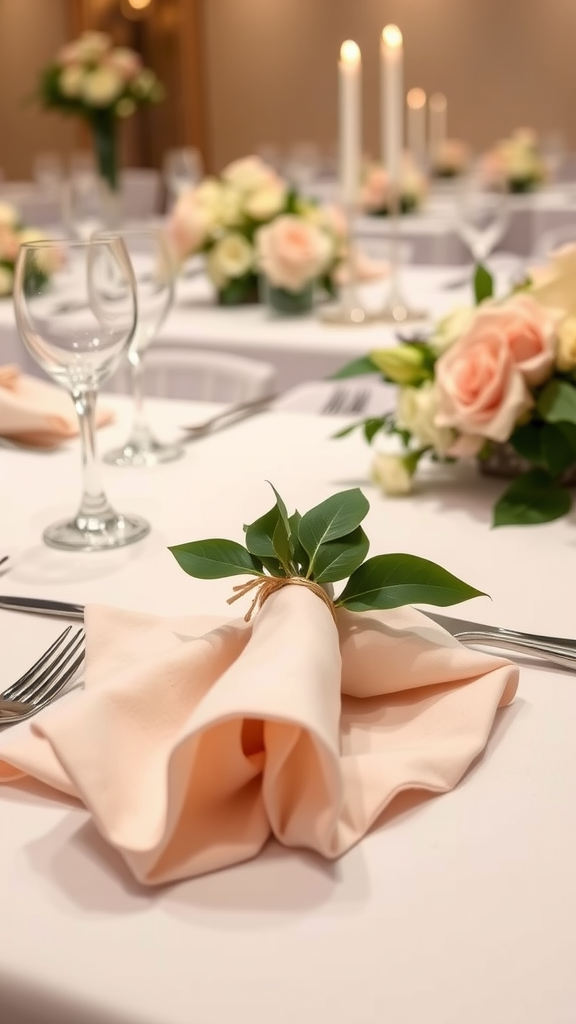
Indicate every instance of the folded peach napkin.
{"type": "Point", "coordinates": [194, 741]}
{"type": "Point", "coordinates": [37, 413]}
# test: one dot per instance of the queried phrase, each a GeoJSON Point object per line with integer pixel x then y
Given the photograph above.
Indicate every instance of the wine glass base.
{"type": "Point", "coordinates": [113, 531]}
{"type": "Point", "coordinates": [400, 313]}
{"type": "Point", "coordinates": [344, 316]}
{"type": "Point", "coordinates": [149, 453]}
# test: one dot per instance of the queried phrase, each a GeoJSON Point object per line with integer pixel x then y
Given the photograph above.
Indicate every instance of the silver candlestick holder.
{"type": "Point", "coordinates": [349, 312]}
{"type": "Point", "coordinates": [397, 308]}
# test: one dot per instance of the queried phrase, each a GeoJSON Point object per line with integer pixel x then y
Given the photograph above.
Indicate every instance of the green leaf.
{"type": "Point", "coordinates": [300, 555]}
{"type": "Point", "coordinates": [558, 447]}
{"type": "Point", "coordinates": [388, 581]}
{"type": "Point", "coordinates": [282, 545]}
{"type": "Point", "coordinates": [527, 441]}
{"type": "Point", "coordinates": [331, 519]}
{"type": "Point", "coordinates": [557, 402]}
{"type": "Point", "coordinates": [373, 426]}
{"type": "Point", "coordinates": [274, 567]}
{"type": "Point", "coordinates": [337, 559]}
{"type": "Point", "coordinates": [259, 534]}
{"type": "Point", "coordinates": [534, 497]}
{"type": "Point", "coordinates": [483, 284]}
{"type": "Point", "coordinates": [214, 559]}
{"type": "Point", "coordinates": [281, 508]}
{"type": "Point", "coordinates": [357, 368]}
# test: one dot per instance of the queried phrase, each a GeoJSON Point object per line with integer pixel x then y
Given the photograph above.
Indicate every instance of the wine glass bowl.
{"type": "Point", "coordinates": [75, 309]}
{"type": "Point", "coordinates": [482, 215]}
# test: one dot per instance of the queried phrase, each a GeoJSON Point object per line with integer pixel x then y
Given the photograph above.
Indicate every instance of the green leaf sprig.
{"type": "Point", "coordinates": [325, 545]}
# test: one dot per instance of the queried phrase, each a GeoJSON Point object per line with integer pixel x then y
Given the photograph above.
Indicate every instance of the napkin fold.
{"type": "Point", "coordinates": [195, 740]}
{"type": "Point", "coordinates": [37, 413]}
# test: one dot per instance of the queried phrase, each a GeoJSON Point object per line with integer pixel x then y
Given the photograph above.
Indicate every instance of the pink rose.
{"type": "Point", "coordinates": [375, 190]}
{"type": "Point", "coordinates": [481, 390]}
{"type": "Point", "coordinates": [530, 334]}
{"type": "Point", "coordinates": [127, 63]}
{"type": "Point", "coordinates": [189, 226]}
{"type": "Point", "coordinates": [9, 244]}
{"type": "Point", "coordinates": [292, 252]}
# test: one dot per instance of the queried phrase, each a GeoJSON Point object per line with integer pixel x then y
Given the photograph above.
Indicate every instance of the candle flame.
{"type": "Point", "coordinates": [392, 36]}
{"type": "Point", "coordinates": [416, 99]}
{"type": "Point", "coordinates": [438, 102]}
{"type": "Point", "coordinates": [350, 52]}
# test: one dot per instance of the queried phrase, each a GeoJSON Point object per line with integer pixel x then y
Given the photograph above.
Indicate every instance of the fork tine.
{"type": "Point", "coordinates": [14, 692]}
{"type": "Point", "coordinates": [39, 687]}
{"type": "Point", "coordinates": [59, 683]}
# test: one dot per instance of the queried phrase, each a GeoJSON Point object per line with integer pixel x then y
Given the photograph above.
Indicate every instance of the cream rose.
{"type": "Point", "coordinates": [292, 252]}
{"type": "Point", "coordinates": [9, 215]}
{"type": "Point", "coordinates": [91, 46]}
{"type": "Point", "coordinates": [392, 474]}
{"type": "Point", "coordinates": [417, 412]}
{"type": "Point", "coordinates": [249, 174]}
{"type": "Point", "coordinates": [566, 354]}
{"type": "Point", "coordinates": [554, 286]}
{"type": "Point", "coordinates": [230, 258]}
{"type": "Point", "coordinates": [451, 327]}
{"type": "Point", "coordinates": [6, 281]}
{"type": "Point", "coordinates": [481, 389]}
{"type": "Point", "coordinates": [229, 207]}
{"type": "Point", "coordinates": [71, 80]}
{"type": "Point", "coordinates": [267, 202]}
{"type": "Point", "coordinates": [101, 87]}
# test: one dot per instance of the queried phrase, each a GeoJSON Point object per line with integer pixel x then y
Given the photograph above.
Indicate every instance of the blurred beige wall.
{"type": "Point", "coordinates": [30, 33]}
{"type": "Point", "coordinates": [271, 66]}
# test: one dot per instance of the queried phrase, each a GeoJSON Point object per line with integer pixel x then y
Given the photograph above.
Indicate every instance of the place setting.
{"type": "Point", "coordinates": [287, 468]}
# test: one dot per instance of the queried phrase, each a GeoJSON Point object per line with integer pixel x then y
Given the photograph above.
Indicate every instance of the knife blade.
{"type": "Point", "coordinates": [560, 650]}
{"type": "Point", "coordinates": [39, 606]}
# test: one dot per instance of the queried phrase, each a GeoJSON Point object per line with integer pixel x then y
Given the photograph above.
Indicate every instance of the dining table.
{"type": "Point", "coordinates": [459, 907]}
{"type": "Point", "coordinates": [300, 348]}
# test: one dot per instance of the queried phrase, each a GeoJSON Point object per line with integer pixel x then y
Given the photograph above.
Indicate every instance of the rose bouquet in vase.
{"type": "Point", "coordinates": [375, 193]}
{"type": "Point", "coordinates": [497, 383]}
{"type": "Point", "coordinates": [248, 222]}
{"type": "Point", "coordinates": [451, 159]}
{"type": "Point", "coordinates": [101, 84]}
{"type": "Point", "coordinates": [516, 163]}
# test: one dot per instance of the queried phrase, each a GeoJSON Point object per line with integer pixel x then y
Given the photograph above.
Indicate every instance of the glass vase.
{"type": "Point", "coordinates": [502, 460]}
{"type": "Point", "coordinates": [282, 302]}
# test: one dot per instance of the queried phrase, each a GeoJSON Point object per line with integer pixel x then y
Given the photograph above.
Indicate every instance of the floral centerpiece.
{"type": "Point", "coordinates": [13, 234]}
{"type": "Point", "coordinates": [102, 84]}
{"type": "Point", "coordinates": [451, 159]}
{"type": "Point", "coordinates": [248, 222]}
{"type": "Point", "coordinates": [375, 198]}
{"type": "Point", "coordinates": [516, 163]}
{"type": "Point", "coordinates": [496, 382]}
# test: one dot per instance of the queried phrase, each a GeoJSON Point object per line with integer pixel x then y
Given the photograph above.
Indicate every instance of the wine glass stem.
{"type": "Point", "coordinates": [94, 504]}
{"type": "Point", "coordinates": [140, 429]}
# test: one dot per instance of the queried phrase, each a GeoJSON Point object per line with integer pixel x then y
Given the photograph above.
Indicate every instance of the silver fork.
{"type": "Point", "coordinates": [39, 686]}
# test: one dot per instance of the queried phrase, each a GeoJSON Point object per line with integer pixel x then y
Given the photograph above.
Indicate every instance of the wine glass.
{"type": "Point", "coordinates": [80, 348]}
{"type": "Point", "coordinates": [182, 170]}
{"type": "Point", "coordinates": [83, 206]}
{"type": "Point", "coordinates": [154, 269]}
{"type": "Point", "coordinates": [482, 214]}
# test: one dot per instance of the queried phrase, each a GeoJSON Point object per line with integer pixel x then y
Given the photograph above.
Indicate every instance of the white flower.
{"type": "Point", "coordinates": [91, 46]}
{"type": "Point", "coordinates": [566, 354]}
{"type": "Point", "coordinates": [250, 174]}
{"type": "Point", "coordinates": [230, 207]}
{"type": "Point", "coordinates": [6, 281]}
{"type": "Point", "coordinates": [126, 62]}
{"type": "Point", "coordinates": [101, 87]}
{"type": "Point", "coordinates": [230, 258]}
{"type": "Point", "coordinates": [30, 235]}
{"type": "Point", "coordinates": [9, 215]}
{"type": "Point", "coordinates": [392, 474]}
{"type": "Point", "coordinates": [144, 84]}
{"type": "Point", "coordinates": [451, 327]}
{"type": "Point", "coordinates": [267, 202]}
{"type": "Point", "coordinates": [417, 411]}
{"type": "Point", "coordinates": [70, 80]}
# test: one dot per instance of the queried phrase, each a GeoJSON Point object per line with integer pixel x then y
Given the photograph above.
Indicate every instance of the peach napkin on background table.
{"type": "Point", "coordinates": [196, 740]}
{"type": "Point", "coordinates": [37, 413]}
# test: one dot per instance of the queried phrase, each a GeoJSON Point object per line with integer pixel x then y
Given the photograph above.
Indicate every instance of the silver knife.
{"type": "Point", "coordinates": [551, 648]}
{"type": "Point", "coordinates": [38, 606]}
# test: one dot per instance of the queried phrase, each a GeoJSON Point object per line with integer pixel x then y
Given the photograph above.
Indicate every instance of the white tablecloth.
{"type": "Point", "coordinates": [299, 348]}
{"type": "Point", "coordinates": [461, 908]}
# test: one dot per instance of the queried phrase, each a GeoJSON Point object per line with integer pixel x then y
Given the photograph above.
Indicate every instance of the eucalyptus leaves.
{"type": "Point", "coordinates": [325, 545]}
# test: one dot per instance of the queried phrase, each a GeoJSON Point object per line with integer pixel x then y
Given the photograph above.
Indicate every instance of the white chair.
{"type": "Point", "coordinates": [141, 193]}
{"type": "Point", "coordinates": [201, 375]}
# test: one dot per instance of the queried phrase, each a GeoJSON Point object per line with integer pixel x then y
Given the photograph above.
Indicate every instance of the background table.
{"type": "Point", "coordinates": [458, 908]}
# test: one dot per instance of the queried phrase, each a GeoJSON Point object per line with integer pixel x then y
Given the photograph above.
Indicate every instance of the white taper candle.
{"type": "Point", "coordinates": [349, 77]}
{"type": "Point", "coordinates": [438, 125]}
{"type": "Point", "coordinates": [416, 123]}
{"type": "Point", "coordinates": [392, 101]}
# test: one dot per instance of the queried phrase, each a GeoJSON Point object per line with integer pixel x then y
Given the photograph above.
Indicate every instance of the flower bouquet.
{"type": "Point", "coordinates": [496, 382]}
{"type": "Point", "coordinates": [451, 159]}
{"type": "Point", "coordinates": [13, 234]}
{"type": "Point", "coordinates": [101, 84]}
{"type": "Point", "coordinates": [249, 222]}
{"type": "Point", "coordinates": [375, 198]}
{"type": "Point", "coordinates": [516, 164]}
